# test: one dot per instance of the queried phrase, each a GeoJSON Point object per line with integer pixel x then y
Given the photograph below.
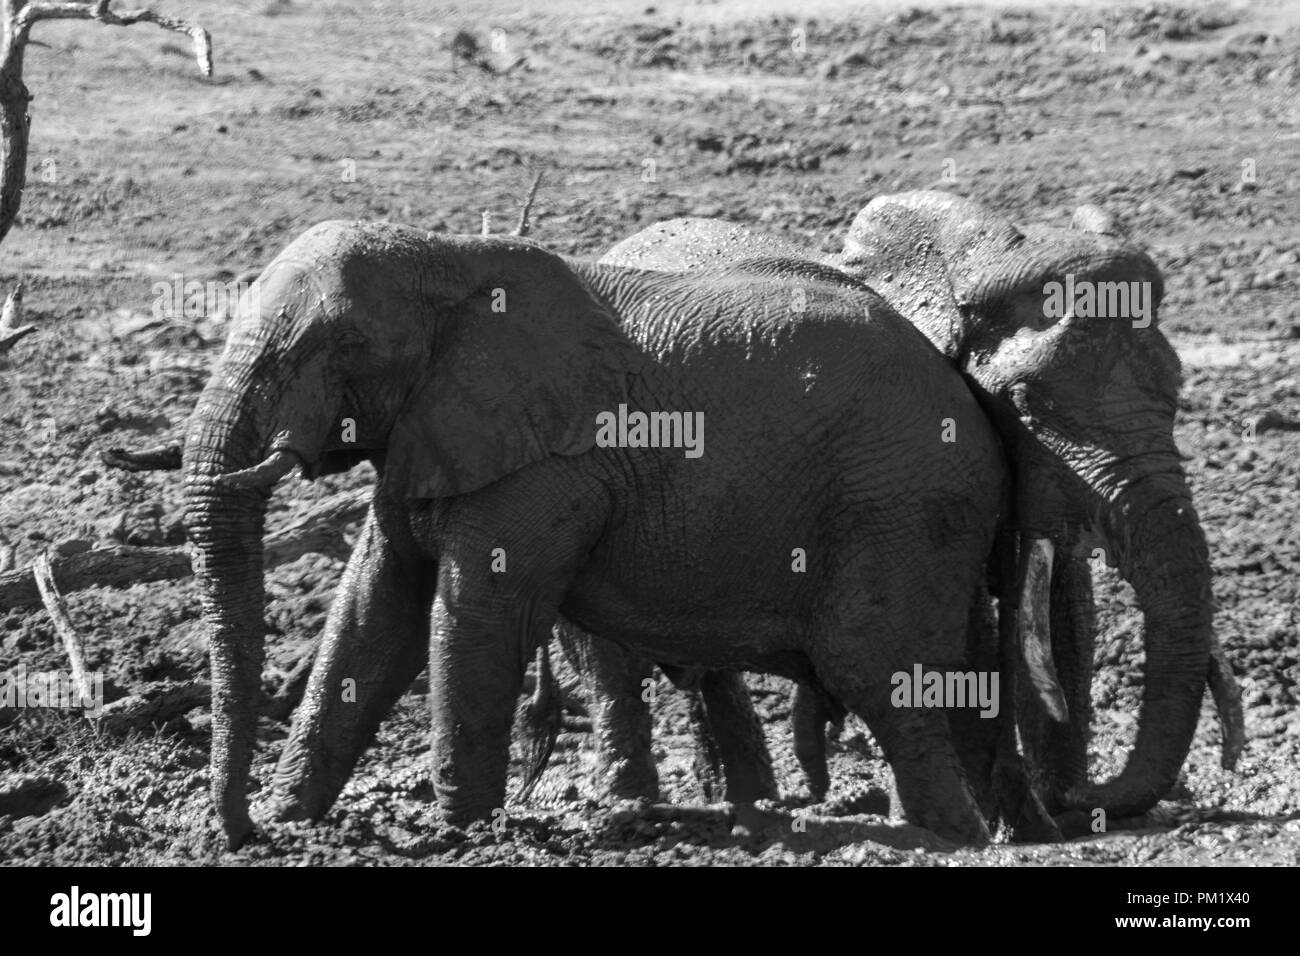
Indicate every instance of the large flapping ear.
{"type": "Point", "coordinates": [524, 357]}
{"type": "Point", "coordinates": [921, 250]}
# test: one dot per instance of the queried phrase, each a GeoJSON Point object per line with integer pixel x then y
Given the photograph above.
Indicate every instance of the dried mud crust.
{"type": "Point", "coordinates": [210, 180]}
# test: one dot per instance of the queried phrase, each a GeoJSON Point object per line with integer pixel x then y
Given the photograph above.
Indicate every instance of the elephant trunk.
{"type": "Point", "coordinates": [1161, 551]}
{"type": "Point", "coordinates": [225, 517]}
{"type": "Point", "coordinates": [225, 527]}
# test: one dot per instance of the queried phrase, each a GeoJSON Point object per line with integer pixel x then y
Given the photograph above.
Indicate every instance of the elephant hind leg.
{"type": "Point", "coordinates": [614, 680]}
{"type": "Point", "coordinates": [731, 721]}
{"type": "Point", "coordinates": [928, 774]}
{"type": "Point", "coordinates": [809, 716]}
{"type": "Point", "coordinates": [917, 741]}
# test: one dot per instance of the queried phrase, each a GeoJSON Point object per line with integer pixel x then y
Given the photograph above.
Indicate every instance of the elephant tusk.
{"type": "Point", "coordinates": [1035, 626]}
{"type": "Point", "coordinates": [1227, 700]}
{"type": "Point", "coordinates": [263, 475]}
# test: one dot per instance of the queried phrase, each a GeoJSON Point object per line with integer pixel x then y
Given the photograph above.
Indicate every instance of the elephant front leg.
{"type": "Point", "coordinates": [615, 682]}
{"type": "Point", "coordinates": [478, 653]}
{"type": "Point", "coordinates": [373, 646]}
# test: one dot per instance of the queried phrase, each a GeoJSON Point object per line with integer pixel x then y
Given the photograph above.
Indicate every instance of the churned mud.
{"type": "Point", "coordinates": [1182, 119]}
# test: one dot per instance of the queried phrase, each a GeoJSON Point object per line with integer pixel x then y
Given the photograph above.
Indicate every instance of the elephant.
{"type": "Point", "coordinates": [495, 386]}
{"type": "Point", "coordinates": [1084, 405]}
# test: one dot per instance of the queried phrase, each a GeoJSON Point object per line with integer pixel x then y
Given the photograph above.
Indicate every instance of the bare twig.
{"type": "Point", "coordinates": [524, 226]}
{"type": "Point", "coordinates": [53, 602]}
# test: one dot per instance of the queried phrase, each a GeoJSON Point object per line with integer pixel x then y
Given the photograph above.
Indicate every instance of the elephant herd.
{"type": "Point", "coordinates": [715, 452]}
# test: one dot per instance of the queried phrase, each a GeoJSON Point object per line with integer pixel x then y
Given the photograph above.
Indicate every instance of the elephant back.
{"type": "Point", "coordinates": [681, 244]}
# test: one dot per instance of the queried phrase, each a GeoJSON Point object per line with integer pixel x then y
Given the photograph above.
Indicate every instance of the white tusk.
{"type": "Point", "coordinates": [1227, 699]}
{"type": "Point", "coordinates": [1036, 626]}
{"type": "Point", "coordinates": [264, 475]}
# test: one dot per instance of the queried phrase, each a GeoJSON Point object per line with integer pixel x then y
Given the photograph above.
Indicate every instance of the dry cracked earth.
{"type": "Point", "coordinates": [1180, 118]}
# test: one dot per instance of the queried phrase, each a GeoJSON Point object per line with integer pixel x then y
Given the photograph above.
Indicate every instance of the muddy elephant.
{"type": "Point", "coordinates": [539, 429]}
{"type": "Point", "coordinates": [1056, 331]}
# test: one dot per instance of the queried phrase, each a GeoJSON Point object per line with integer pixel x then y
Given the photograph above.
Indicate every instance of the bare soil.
{"type": "Point", "coordinates": [1185, 124]}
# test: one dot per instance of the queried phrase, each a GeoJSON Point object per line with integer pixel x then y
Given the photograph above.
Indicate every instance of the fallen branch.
{"type": "Point", "coordinates": [159, 458]}
{"type": "Point", "coordinates": [154, 703]}
{"type": "Point", "coordinates": [58, 612]}
{"type": "Point", "coordinates": [320, 531]}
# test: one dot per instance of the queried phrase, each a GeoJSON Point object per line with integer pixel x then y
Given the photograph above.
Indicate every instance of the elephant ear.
{"type": "Point", "coordinates": [521, 366]}
{"type": "Point", "coordinates": [921, 250]}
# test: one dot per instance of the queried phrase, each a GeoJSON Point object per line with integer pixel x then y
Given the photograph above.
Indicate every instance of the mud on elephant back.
{"type": "Point", "coordinates": [481, 377]}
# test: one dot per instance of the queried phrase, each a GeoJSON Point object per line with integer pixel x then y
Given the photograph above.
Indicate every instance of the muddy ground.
{"type": "Point", "coordinates": [1182, 119]}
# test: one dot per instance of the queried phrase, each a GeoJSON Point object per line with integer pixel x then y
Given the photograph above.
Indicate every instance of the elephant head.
{"type": "Point", "coordinates": [1056, 330]}
{"type": "Point", "coordinates": [449, 362]}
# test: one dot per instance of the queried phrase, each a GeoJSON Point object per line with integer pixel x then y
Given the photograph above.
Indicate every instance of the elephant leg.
{"type": "Point", "coordinates": [477, 657]}
{"type": "Point", "coordinates": [614, 681]}
{"type": "Point", "coordinates": [373, 646]}
{"type": "Point", "coordinates": [729, 718]}
{"type": "Point", "coordinates": [809, 715]}
{"type": "Point", "coordinates": [929, 778]}
{"type": "Point", "coordinates": [975, 736]}
{"type": "Point", "coordinates": [1016, 801]}
{"type": "Point", "coordinates": [928, 775]}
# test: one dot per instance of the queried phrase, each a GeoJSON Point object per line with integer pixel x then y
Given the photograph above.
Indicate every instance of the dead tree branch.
{"type": "Point", "coordinates": [523, 227]}
{"type": "Point", "coordinates": [320, 531]}
{"type": "Point", "coordinates": [154, 703]}
{"type": "Point", "coordinates": [159, 458]}
{"type": "Point", "coordinates": [19, 23]}
{"type": "Point", "coordinates": [58, 612]}
{"type": "Point", "coordinates": [17, 18]}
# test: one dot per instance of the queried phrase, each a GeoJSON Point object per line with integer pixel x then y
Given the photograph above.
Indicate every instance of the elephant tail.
{"type": "Point", "coordinates": [539, 721]}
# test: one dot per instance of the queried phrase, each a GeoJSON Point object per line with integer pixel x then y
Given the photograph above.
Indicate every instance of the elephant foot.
{"type": "Point", "coordinates": [622, 780]}
{"type": "Point", "coordinates": [1074, 823]}
{"type": "Point", "coordinates": [964, 826]}
{"type": "Point", "coordinates": [238, 827]}
{"type": "Point", "coordinates": [1019, 807]}
{"type": "Point", "coordinates": [462, 813]}
{"type": "Point", "coordinates": [291, 809]}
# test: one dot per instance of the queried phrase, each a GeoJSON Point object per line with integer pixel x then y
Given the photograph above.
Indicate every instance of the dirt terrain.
{"type": "Point", "coordinates": [790, 116]}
